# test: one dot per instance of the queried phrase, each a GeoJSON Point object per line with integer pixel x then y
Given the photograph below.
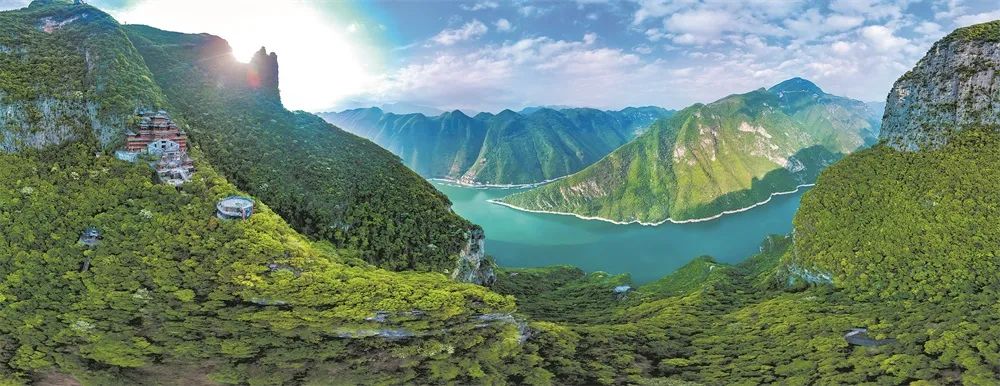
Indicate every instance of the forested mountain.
{"type": "Point", "coordinates": [507, 148]}
{"type": "Point", "coordinates": [891, 277]}
{"type": "Point", "coordinates": [708, 159]}
{"type": "Point", "coordinates": [170, 294]}
{"type": "Point", "coordinates": [325, 182]}
{"type": "Point", "coordinates": [930, 194]}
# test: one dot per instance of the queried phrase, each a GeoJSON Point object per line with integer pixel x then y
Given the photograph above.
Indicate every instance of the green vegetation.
{"type": "Point", "coordinates": [173, 295]}
{"type": "Point", "coordinates": [506, 148]}
{"type": "Point", "coordinates": [561, 293]}
{"type": "Point", "coordinates": [64, 76]}
{"type": "Point", "coordinates": [171, 284]}
{"type": "Point", "coordinates": [929, 219]}
{"type": "Point", "coordinates": [985, 32]}
{"type": "Point", "coordinates": [707, 159]}
{"type": "Point", "coordinates": [325, 182]}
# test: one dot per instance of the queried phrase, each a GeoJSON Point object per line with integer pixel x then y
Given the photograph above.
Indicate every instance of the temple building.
{"type": "Point", "coordinates": [158, 136]}
{"type": "Point", "coordinates": [154, 127]}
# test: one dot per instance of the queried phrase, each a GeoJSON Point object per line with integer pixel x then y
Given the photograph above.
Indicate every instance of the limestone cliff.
{"type": "Point", "coordinates": [473, 264]}
{"type": "Point", "coordinates": [955, 85]}
{"type": "Point", "coordinates": [263, 72]}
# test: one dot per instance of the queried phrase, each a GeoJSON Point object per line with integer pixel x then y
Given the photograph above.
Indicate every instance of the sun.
{"type": "Point", "coordinates": [319, 59]}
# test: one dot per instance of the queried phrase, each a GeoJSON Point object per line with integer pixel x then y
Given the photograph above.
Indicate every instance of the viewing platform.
{"type": "Point", "coordinates": [234, 208]}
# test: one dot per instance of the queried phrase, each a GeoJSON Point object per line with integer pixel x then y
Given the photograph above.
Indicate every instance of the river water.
{"type": "Point", "coordinates": [522, 239]}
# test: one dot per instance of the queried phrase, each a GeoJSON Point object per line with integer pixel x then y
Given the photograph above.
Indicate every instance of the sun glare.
{"type": "Point", "coordinates": [319, 62]}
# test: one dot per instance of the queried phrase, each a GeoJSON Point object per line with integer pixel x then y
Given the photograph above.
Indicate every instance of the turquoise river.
{"type": "Point", "coordinates": [522, 239]}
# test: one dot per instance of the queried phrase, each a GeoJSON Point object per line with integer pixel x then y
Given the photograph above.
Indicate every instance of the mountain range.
{"type": "Point", "coordinates": [712, 158]}
{"type": "Point", "coordinates": [506, 148]}
{"type": "Point", "coordinates": [889, 277]}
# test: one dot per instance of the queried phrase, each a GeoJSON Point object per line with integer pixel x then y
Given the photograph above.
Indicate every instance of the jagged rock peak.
{"type": "Point", "coordinates": [266, 67]}
{"type": "Point", "coordinates": [955, 86]}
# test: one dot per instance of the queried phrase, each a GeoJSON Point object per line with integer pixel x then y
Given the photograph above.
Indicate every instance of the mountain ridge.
{"type": "Point", "coordinates": [502, 149]}
{"type": "Point", "coordinates": [709, 159]}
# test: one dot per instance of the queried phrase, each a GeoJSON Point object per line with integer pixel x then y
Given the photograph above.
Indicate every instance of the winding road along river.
{"type": "Point", "coordinates": [522, 239]}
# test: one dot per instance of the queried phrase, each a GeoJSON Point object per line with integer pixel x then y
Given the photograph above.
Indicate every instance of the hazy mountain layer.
{"type": "Point", "coordinates": [499, 149]}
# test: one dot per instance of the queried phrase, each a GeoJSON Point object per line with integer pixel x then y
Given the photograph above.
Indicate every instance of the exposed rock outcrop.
{"type": "Point", "coordinates": [955, 85]}
{"type": "Point", "coordinates": [473, 264]}
{"type": "Point", "coordinates": [264, 71]}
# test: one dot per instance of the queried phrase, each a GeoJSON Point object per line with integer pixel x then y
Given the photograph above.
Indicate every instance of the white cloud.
{"type": "Point", "coordinates": [870, 9]}
{"type": "Point", "coordinates": [352, 28]}
{"type": "Point", "coordinates": [841, 47]}
{"type": "Point", "coordinates": [706, 24]}
{"type": "Point", "coordinates": [470, 30]}
{"type": "Point", "coordinates": [532, 10]}
{"type": "Point", "coordinates": [812, 24]}
{"type": "Point", "coordinates": [882, 38]}
{"type": "Point", "coordinates": [481, 5]}
{"type": "Point", "coordinates": [503, 25]}
{"type": "Point", "coordinates": [643, 49]}
{"type": "Point", "coordinates": [967, 20]}
{"type": "Point", "coordinates": [654, 34]}
{"type": "Point", "coordinates": [841, 22]}
{"type": "Point", "coordinates": [541, 68]}
{"type": "Point", "coordinates": [652, 9]}
{"type": "Point", "coordinates": [929, 28]}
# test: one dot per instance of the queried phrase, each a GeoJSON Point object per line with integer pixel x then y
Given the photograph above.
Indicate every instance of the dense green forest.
{"type": "Point", "coordinates": [171, 285]}
{"type": "Point", "coordinates": [327, 183]}
{"type": "Point", "coordinates": [897, 243]}
{"type": "Point", "coordinates": [507, 148]}
{"type": "Point", "coordinates": [708, 159]}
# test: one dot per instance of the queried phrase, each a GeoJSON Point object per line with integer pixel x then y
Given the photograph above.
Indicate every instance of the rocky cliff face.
{"type": "Point", "coordinates": [68, 75]}
{"type": "Point", "coordinates": [957, 84]}
{"type": "Point", "coordinates": [473, 264]}
{"type": "Point", "coordinates": [263, 71]}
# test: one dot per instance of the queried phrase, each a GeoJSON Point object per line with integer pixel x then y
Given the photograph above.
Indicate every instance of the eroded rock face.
{"type": "Point", "coordinates": [957, 84]}
{"type": "Point", "coordinates": [473, 264]}
{"type": "Point", "coordinates": [264, 72]}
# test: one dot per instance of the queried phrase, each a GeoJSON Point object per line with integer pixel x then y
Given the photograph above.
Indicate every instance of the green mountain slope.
{"type": "Point", "coordinates": [327, 183]}
{"type": "Point", "coordinates": [499, 149]}
{"type": "Point", "coordinates": [61, 78]}
{"type": "Point", "coordinates": [173, 295]}
{"type": "Point", "coordinates": [708, 159]}
{"type": "Point", "coordinates": [925, 215]}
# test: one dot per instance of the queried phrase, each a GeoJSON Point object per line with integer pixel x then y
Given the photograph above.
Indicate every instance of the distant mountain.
{"type": "Point", "coordinates": [531, 109]}
{"type": "Point", "coordinates": [499, 149]}
{"type": "Point", "coordinates": [411, 108]}
{"type": "Point", "coordinates": [876, 108]}
{"type": "Point", "coordinates": [708, 159]}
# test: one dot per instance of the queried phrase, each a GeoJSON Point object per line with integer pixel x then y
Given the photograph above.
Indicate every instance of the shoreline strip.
{"type": "Point", "coordinates": [694, 220]}
{"type": "Point", "coordinates": [496, 186]}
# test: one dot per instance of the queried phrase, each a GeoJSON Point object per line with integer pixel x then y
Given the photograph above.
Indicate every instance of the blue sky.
{"type": "Point", "coordinates": [488, 55]}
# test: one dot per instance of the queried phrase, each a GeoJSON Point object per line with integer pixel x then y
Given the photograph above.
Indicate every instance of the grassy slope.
{"type": "Point", "coordinates": [326, 182]}
{"type": "Point", "coordinates": [702, 161]}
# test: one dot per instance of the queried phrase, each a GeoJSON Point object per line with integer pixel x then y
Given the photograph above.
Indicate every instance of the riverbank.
{"type": "Point", "coordinates": [495, 186]}
{"type": "Point", "coordinates": [672, 221]}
